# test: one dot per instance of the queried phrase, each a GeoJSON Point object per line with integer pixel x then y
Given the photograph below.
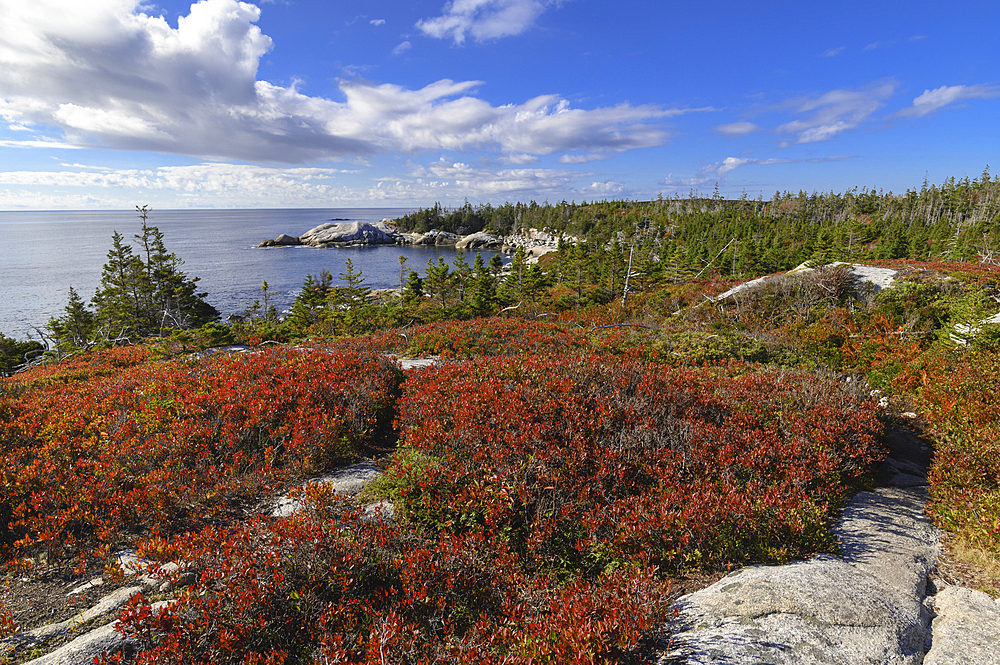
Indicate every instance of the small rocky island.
{"type": "Point", "coordinates": [341, 234]}
{"type": "Point", "coordinates": [357, 233]}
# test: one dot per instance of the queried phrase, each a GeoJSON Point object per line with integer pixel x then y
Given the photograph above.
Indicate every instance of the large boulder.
{"type": "Point", "coordinates": [333, 234]}
{"type": "Point", "coordinates": [874, 277]}
{"type": "Point", "coordinates": [437, 237]}
{"type": "Point", "coordinates": [966, 628]}
{"type": "Point", "coordinates": [479, 241]}
{"type": "Point", "coordinates": [283, 240]}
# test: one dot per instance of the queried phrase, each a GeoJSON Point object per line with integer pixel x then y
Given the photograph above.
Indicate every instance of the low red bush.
{"type": "Point", "coordinates": [326, 586]}
{"type": "Point", "coordinates": [106, 447]}
{"type": "Point", "coordinates": [591, 463]}
{"type": "Point", "coordinates": [956, 393]}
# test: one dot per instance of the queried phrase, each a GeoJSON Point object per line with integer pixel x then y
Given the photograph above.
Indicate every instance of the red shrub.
{"type": "Point", "coordinates": [110, 447]}
{"type": "Point", "coordinates": [326, 586]}
{"type": "Point", "coordinates": [579, 464]}
{"type": "Point", "coordinates": [956, 391]}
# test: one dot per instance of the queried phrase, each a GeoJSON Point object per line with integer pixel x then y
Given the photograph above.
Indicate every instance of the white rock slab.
{"type": "Point", "coordinates": [865, 607]}
{"type": "Point", "coordinates": [348, 480]}
{"type": "Point", "coordinates": [966, 629]}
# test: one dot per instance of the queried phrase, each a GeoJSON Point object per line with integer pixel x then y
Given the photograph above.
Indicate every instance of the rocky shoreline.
{"type": "Point", "coordinates": [365, 234]}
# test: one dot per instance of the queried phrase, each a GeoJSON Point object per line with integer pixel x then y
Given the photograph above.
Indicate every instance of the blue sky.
{"type": "Point", "coordinates": [106, 104]}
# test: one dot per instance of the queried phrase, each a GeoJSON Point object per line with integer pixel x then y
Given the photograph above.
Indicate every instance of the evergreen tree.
{"type": "Point", "coordinates": [438, 280]}
{"type": "Point", "coordinates": [482, 293]}
{"type": "Point", "coordinates": [311, 300]}
{"type": "Point", "coordinates": [76, 329]}
{"type": "Point", "coordinates": [117, 304]}
{"type": "Point", "coordinates": [15, 354]}
{"type": "Point", "coordinates": [462, 275]}
{"type": "Point", "coordinates": [147, 294]}
{"type": "Point", "coordinates": [413, 291]}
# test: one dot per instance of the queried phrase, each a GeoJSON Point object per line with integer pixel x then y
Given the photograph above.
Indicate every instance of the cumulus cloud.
{"type": "Point", "coordinates": [714, 172]}
{"type": "Point", "coordinates": [932, 100]}
{"type": "Point", "coordinates": [484, 20]}
{"type": "Point", "coordinates": [377, 21]}
{"type": "Point", "coordinates": [737, 128]}
{"type": "Point", "coordinates": [401, 48]}
{"type": "Point", "coordinates": [108, 75]}
{"type": "Point", "coordinates": [835, 112]}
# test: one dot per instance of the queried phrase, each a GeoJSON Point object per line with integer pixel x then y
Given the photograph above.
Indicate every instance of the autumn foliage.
{"type": "Point", "coordinates": [545, 493]}
{"type": "Point", "coordinates": [107, 446]}
{"type": "Point", "coordinates": [590, 463]}
{"type": "Point", "coordinates": [956, 391]}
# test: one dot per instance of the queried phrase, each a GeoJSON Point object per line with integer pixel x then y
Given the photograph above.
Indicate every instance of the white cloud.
{"type": "Point", "coordinates": [580, 158]}
{"type": "Point", "coordinates": [107, 75]}
{"type": "Point", "coordinates": [206, 178]}
{"type": "Point", "coordinates": [239, 186]}
{"type": "Point", "coordinates": [716, 171]}
{"type": "Point", "coordinates": [484, 20]}
{"type": "Point", "coordinates": [377, 21]}
{"type": "Point", "coordinates": [932, 100]}
{"type": "Point", "coordinates": [831, 53]}
{"type": "Point", "coordinates": [41, 143]}
{"type": "Point", "coordinates": [401, 48]}
{"type": "Point", "coordinates": [519, 160]}
{"type": "Point", "coordinates": [480, 183]}
{"type": "Point", "coordinates": [835, 112]}
{"type": "Point", "coordinates": [737, 128]}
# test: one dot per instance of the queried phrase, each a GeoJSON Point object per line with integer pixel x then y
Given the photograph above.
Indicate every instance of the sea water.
{"type": "Point", "coordinates": [43, 253]}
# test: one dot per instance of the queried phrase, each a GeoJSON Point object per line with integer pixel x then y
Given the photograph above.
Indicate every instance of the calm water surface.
{"type": "Point", "coordinates": [42, 254]}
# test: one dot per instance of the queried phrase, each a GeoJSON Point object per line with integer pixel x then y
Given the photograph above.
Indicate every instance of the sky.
{"type": "Point", "coordinates": [108, 104]}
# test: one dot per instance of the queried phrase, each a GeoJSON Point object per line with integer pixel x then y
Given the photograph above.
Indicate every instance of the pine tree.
{"type": "Point", "coordinates": [311, 301]}
{"type": "Point", "coordinates": [482, 293]}
{"type": "Point", "coordinates": [413, 291]}
{"type": "Point", "coordinates": [438, 280]}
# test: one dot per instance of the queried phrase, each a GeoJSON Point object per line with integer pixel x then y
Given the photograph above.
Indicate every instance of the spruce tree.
{"type": "Point", "coordinates": [117, 300]}
{"type": "Point", "coordinates": [147, 294]}
{"type": "Point", "coordinates": [76, 329]}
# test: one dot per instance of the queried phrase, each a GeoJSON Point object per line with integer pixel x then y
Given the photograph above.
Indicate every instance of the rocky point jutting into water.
{"type": "Point", "coordinates": [357, 233]}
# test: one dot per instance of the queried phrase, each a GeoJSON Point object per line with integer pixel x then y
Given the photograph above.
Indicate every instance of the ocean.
{"type": "Point", "coordinates": [43, 253]}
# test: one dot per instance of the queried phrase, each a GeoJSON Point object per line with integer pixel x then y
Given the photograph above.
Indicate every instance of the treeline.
{"type": "Point", "coordinates": [958, 220]}
{"type": "Point", "coordinates": [144, 293]}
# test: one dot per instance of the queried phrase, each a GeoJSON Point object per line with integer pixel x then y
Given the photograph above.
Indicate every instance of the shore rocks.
{"type": "Point", "coordinates": [282, 240]}
{"type": "Point", "coordinates": [340, 234]}
{"type": "Point", "coordinates": [436, 237]}
{"type": "Point", "coordinates": [353, 233]}
{"type": "Point", "coordinates": [479, 241]}
{"type": "Point", "coordinates": [864, 607]}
